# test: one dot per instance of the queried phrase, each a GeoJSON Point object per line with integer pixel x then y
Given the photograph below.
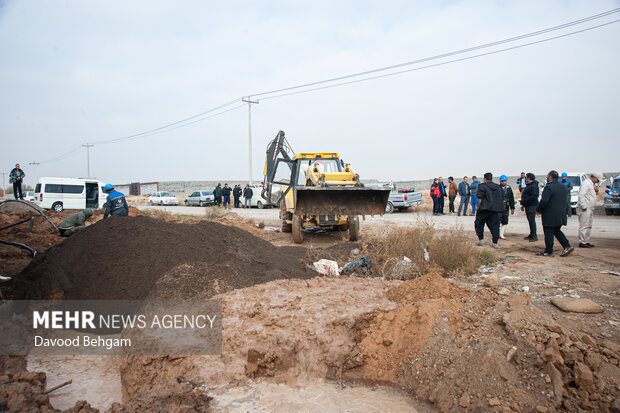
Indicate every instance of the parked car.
{"type": "Point", "coordinates": [400, 199]}
{"type": "Point", "coordinates": [200, 198]}
{"type": "Point", "coordinates": [163, 198]}
{"type": "Point", "coordinates": [29, 196]}
{"type": "Point", "coordinates": [69, 193]}
{"type": "Point", "coordinates": [612, 198]}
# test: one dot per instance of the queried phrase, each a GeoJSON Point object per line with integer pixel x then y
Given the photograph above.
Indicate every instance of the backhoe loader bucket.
{"type": "Point", "coordinates": [338, 200]}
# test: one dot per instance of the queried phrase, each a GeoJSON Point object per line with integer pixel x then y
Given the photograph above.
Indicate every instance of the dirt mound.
{"type": "Point", "coordinates": [19, 206]}
{"type": "Point", "coordinates": [123, 258]}
{"type": "Point", "coordinates": [429, 287]}
{"type": "Point", "coordinates": [481, 351]}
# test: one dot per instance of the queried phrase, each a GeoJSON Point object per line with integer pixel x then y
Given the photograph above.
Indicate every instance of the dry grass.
{"type": "Point", "coordinates": [213, 213]}
{"type": "Point", "coordinates": [449, 252]}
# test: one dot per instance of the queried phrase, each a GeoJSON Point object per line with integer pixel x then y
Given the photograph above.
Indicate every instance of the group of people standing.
{"type": "Point", "coordinates": [468, 192]}
{"type": "Point", "coordinates": [222, 195]}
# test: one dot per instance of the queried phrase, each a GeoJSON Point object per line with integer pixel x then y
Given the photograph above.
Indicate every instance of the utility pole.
{"type": "Point", "coordinates": [88, 146]}
{"type": "Point", "coordinates": [35, 164]}
{"type": "Point", "coordinates": [250, 101]}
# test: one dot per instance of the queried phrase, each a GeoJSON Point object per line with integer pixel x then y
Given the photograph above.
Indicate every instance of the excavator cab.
{"type": "Point", "coordinates": [317, 189]}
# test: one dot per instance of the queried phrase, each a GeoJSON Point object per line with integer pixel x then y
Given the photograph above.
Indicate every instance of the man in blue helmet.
{"type": "Point", "coordinates": [115, 203]}
{"type": "Point", "coordinates": [569, 186]}
{"type": "Point", "coordinates": [509, 204]}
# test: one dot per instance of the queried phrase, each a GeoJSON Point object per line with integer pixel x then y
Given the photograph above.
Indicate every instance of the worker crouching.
{"type": "Point", "coordinates": [115, 203]}
{"type": "Point", "coordinates": [74, 223]}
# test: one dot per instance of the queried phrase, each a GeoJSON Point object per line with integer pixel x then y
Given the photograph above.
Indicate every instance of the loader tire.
{"type": "Point", "coordinates": [298, 229]}
{"type": "Point", "coordinates": [354, 228]}
{"type": "Point", "coordinates": [285, 216]}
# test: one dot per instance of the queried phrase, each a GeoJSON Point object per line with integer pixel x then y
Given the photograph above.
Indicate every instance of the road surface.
{"type": "Point", "coordinates": [604, 227]}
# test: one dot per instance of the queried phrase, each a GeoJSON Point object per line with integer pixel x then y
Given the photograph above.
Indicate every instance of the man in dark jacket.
{"type": "Point", "coordinates": [491, 204]}
{"type": "Point", "coordinates": [248, 194]}
{"type": "Point", "coordinates": [16, 177]}
{"type": "Point", "coordinates": [217, 194]}
{"type": "Point", "coordinates": [237, 195]}
{"type": "Point", "coordinates": [464, 193]}
{"type": "Point", "coordinates": [529, 202]}
{"type": "Point", "coordinates": [444, 193]}
{"type": "Point", "coordinates": [226, 194]}
{"type": "Point", "coordinates": [509, 204]}
{"type": "Point", "coordinates": [552, 207]}
{"type": "Point", "coordinates": [115, 203]}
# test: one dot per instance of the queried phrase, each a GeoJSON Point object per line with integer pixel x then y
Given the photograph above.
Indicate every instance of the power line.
{"type": "Point", "coordinates": [186, 121]}
{"type": "Point", "coordinates": [136, 135]}
{"type": "Point", "coordinates": [441, 63]}
{"type": "Point", "coordinates": [444, 55]}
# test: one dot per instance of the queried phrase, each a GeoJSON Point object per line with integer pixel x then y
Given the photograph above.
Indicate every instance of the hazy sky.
{"type": "Point", "coordinates": [77, 71]}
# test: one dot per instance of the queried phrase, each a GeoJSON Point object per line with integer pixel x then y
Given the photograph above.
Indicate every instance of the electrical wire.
{"type": "Point", "coordinates": [444, 55]}
{"type": "Point", "coordinates": [441, 63]}
{"type": "Point", "coordinates": [147, 134]}
{"type": "Point", "coordinates": [136, 135]}
{"type": "Point", "coordinates": [64, 155]}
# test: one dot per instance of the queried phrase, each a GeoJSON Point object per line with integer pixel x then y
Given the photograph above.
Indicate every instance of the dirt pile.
{"type": "Point", "coordinates": [479, 350]}
{"type": "Point", "coordinates": [124, 257]}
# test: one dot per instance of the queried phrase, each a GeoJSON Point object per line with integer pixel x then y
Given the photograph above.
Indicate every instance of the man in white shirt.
{"type": "Point", "coordinates": [585, 208]}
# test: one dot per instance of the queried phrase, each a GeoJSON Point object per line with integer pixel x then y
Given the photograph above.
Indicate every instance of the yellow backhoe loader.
{"type": "Point", "coordinates": [317, 189]}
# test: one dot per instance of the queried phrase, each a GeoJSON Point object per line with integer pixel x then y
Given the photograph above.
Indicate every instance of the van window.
{"type": "Point", "coordinates": [38, 188]}
{"type": "Point", "coordinates": [63, 189]}
{"type": "Point", "coordinates": [72, 189]}
{"type": "Point", "coordinates": [53, 188]}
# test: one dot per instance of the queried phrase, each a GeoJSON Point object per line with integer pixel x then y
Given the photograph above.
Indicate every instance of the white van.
{"type": "Point", "coordinates": [576, 178]}
{"type": "Point", "coordinates": [69, 193]}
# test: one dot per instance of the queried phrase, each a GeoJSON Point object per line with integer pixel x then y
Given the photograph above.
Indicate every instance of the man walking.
{"type": "Point", "coordinates": [529, 202]}
{"type": "Point", "coordinates": [552, 207]}
{"type": "Point", "coordinates": [16, 177]}
{"type": "Point", "coordinates": [509, 204]}
{"type": "Point", "coordinates": [464, 193]}
{"type": "Point", "coordinates": [435, 194]}
{"type": "Point", "coordinates": [491, 206]}
{"type": "Point", "coordinates": [226, 194]}
{"type": "Point", "coordinates": [248, 194]}
{"type": "Point", "coordinates": [115, 203]}
{"type": "Point", "coordinates": [474, 194]}
{"type": "Point", "coordinates": [442, 190]}
{"type": "Point", "coordinates": [569, 186]}
{"type": "Point", "coordinates": [585, 208]}
{"type": "Point", "coordinates": [522, 182]}
{"type": "Point", "coordinates": [452, 191]}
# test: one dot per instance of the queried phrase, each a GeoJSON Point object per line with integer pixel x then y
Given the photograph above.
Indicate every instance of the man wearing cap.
{"type": "Point", "coordinates": [569, 186]}
{"type": "Point", "coordinates": [115, 203]}
{"type": "Point", "coordinates": [473, 188]}
{"type": "Point", "coordinates": [586, 202]}
{"type": "Point", "coordinates": [509, 204]}
{"type": "Point", "coordinates": [74, 223]}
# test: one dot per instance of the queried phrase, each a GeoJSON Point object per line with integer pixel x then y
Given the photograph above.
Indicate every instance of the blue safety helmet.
{"type": "Point", "coordinates": [503, 178]}
{"type": "Point", "coordinates": [108, 187]}
{"type": "Point", "coordinates": [564, 175]}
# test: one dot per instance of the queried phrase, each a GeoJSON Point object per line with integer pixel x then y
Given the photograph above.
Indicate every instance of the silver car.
{"type": "Point", "coordinates": [200, 198]}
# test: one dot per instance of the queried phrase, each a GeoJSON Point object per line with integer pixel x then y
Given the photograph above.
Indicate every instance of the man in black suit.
{"type": "Point", "coordinates": [552, 207]}
{"type": "Point", "coordinates": [529, 202]}
{"type": "Point", "coordinates": [491, 198]}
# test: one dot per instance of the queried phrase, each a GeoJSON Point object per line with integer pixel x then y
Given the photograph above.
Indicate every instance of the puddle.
{"type": "Point", "coordinates": [318, 396]}
{"type": "Point", "coordinates": [96, 379]}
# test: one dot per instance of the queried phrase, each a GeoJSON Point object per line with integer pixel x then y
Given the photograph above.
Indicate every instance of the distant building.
{"type": "Point", "coordinates": [138, 188]}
